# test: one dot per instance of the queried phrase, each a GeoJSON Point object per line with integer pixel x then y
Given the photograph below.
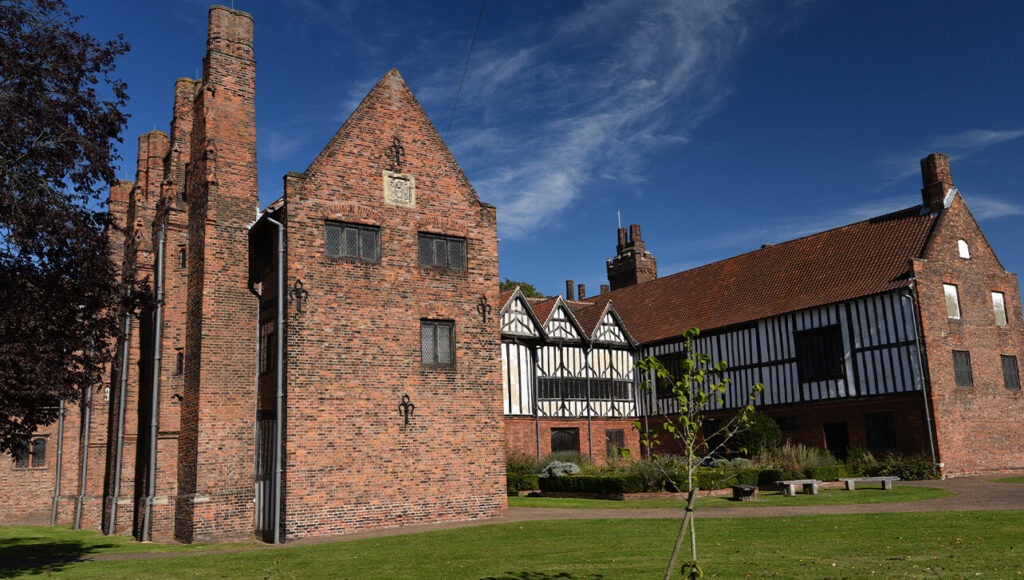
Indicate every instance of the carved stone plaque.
{"type": "Point", "coordinates": [399, 189]}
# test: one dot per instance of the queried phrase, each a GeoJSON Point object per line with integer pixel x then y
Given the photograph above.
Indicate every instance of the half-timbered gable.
{"type": "Point", "coordinates": [521, 334]}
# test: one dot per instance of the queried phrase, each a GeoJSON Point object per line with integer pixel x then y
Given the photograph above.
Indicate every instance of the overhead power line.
{"type": "Point", "coordinates": [455, 104]}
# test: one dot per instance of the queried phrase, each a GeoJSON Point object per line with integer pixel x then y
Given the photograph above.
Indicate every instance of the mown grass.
{"type": "Point", "coordinates": [1010, 480]}
{"type": "Point", "coordinates": [764, 499]}
{"type": "Point", "coordinates": [956, 544]}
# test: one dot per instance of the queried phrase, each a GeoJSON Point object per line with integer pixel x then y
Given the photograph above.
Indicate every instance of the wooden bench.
{"type": "Point", "coordinates": [885, 480]}
{"type": "Point", "coordinates": [789, 486]}
{"type": "Point", "coordinates": [743, 492]}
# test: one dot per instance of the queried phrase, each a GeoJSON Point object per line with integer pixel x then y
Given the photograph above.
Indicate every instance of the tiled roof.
{"type": "Point", "coordinates": [844, 263]}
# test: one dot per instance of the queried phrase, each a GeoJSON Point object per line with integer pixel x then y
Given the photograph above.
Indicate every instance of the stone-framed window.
{"type": "Point", "coordinates": [999, 308]}
{"type": "Point", "coordinates": [952, 301]}
{"type": "Point", "coordinates": [356, 242]}
{"type": "Point", "coordinates": [819, 353]}
{"type": "Point", "coordinates": [1011, 373]}
{"type": "Point", "coordinates": [437, 343]}
{"type": "Point", "coordinates": [962, 368]}
{"type": "Point", "coordinates": [446, 252]}
{"type": "Point", "coordinates": [31, 454]}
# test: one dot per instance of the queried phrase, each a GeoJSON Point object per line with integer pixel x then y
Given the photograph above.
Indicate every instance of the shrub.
{"type": "Point", "coordinates": [517, 482]}
{"type": "Point", "coordinates": [860, 462]}
{"type": "Point", "coordinates": [521, 472]}
{"type": "Point", "coordinates": [762, 433]}
{"type": "Point", "coordinates": [795, 458]}
{"type": "Point", "coordinates": [559, 469]}
{"type": "Point", "coordinates": [768, 477]}
{"type": "Point", "coordinates": [914, 467]}
{"type": "Point", "coordinates": [575, 457]}
{"type": "Point", "coordinates": [661, 473]}
{"type": "Point", "coordinates": [827, 472]}
{"type": "Point", "coordinates": [722, 477]}
{"type": "Point", "coordinates": [606, 484]}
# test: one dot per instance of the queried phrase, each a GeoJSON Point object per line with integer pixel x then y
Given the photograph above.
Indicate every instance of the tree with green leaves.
{"type": "Point", "coordinates": [60, 115]}
{"type": "Point", "coordinates": [528, 290]}
{"type": "Point", "coordinates": [697, 386]}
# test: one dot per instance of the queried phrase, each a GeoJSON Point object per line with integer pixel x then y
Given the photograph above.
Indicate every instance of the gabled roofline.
{"type": "Point", "coordinates": [559, 301]}
{"type": "Point", "coordinates": [517, 293]}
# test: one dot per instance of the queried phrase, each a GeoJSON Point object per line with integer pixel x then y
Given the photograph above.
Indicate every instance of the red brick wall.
{"type": "Point", "coordinates": [521, 436]}
{"type": "Point", "coordinates": [979, 429]}
{"type": "Point", "coordinates": [351, 463]}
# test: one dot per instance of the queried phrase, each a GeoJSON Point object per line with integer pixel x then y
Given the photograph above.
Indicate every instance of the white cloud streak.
{"type": "Point", "coordinates": [586, 98]}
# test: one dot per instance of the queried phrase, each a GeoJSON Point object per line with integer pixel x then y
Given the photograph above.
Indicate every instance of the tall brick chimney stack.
{"type": "Point", "coordinates": [581, 291]}
{"type": "Point", "coordinates": [632, 264]}
{"type": "Point", "coordinates": [936, 179]}
{"type": "Point", "coordinates": [605, 289]}
{"type": "Point", "coordinates": [568, 289]}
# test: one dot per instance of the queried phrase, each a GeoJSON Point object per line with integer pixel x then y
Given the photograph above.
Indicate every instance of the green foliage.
{"type": "Point", "coordinates": [584, 462]}
{"type": "Point", "coordinates": [557, 469]}
{"type": "Point", "coordinates": [528, 290]}
{"type": "Point", "coordinates": [827, 472]}
{"type": "Point", "coordinates": [517, 482]}
{"type": "Point", "coordinates": [795, 460]}
{"type": "Point", "coordinates": [761, 432]}
{"type": "Point", "coordinates": [602, 484]}
{"type": "Point", "coordinates": [723, 477]}
{"type": "Point", "coordinates": [859, 462]}
{"type": "Point", "coordinates": [913, 468]}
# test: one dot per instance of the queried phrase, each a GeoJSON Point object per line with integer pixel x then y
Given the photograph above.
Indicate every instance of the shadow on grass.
{"type": "Point", "coordinates": [537, 576]}
{"type": "Point", "coordinates": [20, 556]}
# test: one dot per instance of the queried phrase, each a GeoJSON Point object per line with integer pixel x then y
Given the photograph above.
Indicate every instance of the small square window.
{"type": "Point", "coordinates": [952, 301]}
{"type": "Point", "coordinates": [614, 439]}
{"type": "Point", "coordinates": [353, 242]}
{"type": "Point", "coordinates": [819, 353]}
{"type": "Point", "coordinates": [999, 308]}
{"type": "Point", "coordinates": [442, 252]}
{"type": "Point", "coordinates": [962, 368]}
{"type": "Point", "coordinates": [437, 343]}
{"type": "Point", "coordinates": [1011, 375]}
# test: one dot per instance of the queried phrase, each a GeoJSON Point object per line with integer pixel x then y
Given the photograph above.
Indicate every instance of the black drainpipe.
{"type": "Point", "coordinates": [60, 459]}
{"type": "Point", "coordinates": [155, 385]}
{"type": "Point", "coordinates": [122, 393]}
{"type": "Point", "coordinates": [279, 379]}
{"type": "Point", "coordinates": [86, 420]}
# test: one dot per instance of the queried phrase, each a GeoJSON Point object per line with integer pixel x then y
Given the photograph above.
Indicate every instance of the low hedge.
{"type": "Point", "coordinates": [592, 484]}
{"type": "Point", "coordinates": [827, 472]}
{"type": "Point", "coordinates": [517, 482]}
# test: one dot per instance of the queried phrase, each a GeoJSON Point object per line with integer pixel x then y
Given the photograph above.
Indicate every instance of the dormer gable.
{"type": "Point", "coordinates": [561, 325]}
{"type": "Point", "coordinates": [519, 320]}
{"type": "Point", "coordinates": [610, 329]}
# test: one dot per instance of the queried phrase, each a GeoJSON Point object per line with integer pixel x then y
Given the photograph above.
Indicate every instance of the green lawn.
{"type": "Point", "coordinates": [956, 544]}
{"type": "Point", "coordinates": [1010, 480]}
{"type": "Point", "coordinates": [765, 499]}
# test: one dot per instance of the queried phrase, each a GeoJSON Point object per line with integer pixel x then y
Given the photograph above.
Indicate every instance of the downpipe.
{"type": "Point", "coordinates": [279, 380]}
{"type": "Point", "coordinates": [119, 451]}
{"type": "Point", "coordinates": [83, 474]}
{"type": "Point", "coordinates": [155, 385]}
{"type": "Point", "coordinates": [918, 331]}
{"type": "Point", "coordinates": [60, 461]}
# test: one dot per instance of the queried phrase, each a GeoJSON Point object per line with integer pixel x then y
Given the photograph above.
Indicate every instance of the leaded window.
{"type": "Point", "coordinates": [356, 242]}
{"type": "Point", "coordinates": [952, 301]}
{"type": "Point", "coordinates": [962, 368]}
{"type": "Point", "coordinates": [30, 454]}
{"type": "Point", "coordinates": [437, 343]}
{"type": "Point", "coordinates": [1011, 375]}
{"type": "Point", "coordinates": [819, 353]}
{"type": "Point", "coordinates": [999, 308]}
{"type": "Point", "coordinates": [442, 252]}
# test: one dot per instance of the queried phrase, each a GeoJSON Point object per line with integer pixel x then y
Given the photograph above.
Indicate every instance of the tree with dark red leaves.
{"type": "Point", "coordinates": [60, 116]}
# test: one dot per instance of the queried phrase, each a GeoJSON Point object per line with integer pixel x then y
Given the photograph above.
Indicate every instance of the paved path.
{"type": "Point", "coordinates": [969, 494]}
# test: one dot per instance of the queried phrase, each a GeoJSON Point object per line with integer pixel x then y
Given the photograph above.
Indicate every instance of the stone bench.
{"type": "Point", "coordinates": [885, 480]}
{"type": "Point", "coordinates": [789, 486]}
{"type": "Point", "coordinates": [744, 492]}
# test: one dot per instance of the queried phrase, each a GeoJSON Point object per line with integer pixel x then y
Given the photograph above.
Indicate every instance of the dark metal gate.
{"type": "Point", "coordinates": [266, 449]}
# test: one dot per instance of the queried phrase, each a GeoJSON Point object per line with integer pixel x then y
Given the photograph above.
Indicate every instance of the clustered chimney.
{"type": "Point", "coordinates": [632, 264]}
{"type": "Point", "coordinates": [936, 179]}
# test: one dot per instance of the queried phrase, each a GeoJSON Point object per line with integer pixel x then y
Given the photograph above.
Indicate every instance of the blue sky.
{"type": "Point", "coordinates": [716, 125]}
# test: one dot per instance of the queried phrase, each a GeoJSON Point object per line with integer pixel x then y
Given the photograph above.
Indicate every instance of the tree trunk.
{"type": "Point", "coordinates": [691, 497]}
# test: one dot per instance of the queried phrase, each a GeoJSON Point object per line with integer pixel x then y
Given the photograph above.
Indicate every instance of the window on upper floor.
{"type": "Point", "coordinates": [965, 251]}
{"type": "Point", "coordinates": [437, 343]}
{"type": "Point", "coordinates": [819, 353]}
{"type": "Point", "coordinates": [1011, 375]}
{"type": "Point", "coordinates": [182, 257]}
{"type": "Point", "coordinates": [999, 308]}
{"type": "Point", "coordinates": [30, 454]}
{"type": "Point", "coordinates": [673, 363]}
{"type": "Point", "coordinates": [442, 252]}
{"type": "Point", "coordinates": [356, 242]}
{"type": "Point", "coordinates": [962, 368]}
{"type": "Point", "coordinates": [952, 301]}
{"type": "Point", "coordinates": [179, 362]}
{"type": "Point", "coordinates": [268, 347]}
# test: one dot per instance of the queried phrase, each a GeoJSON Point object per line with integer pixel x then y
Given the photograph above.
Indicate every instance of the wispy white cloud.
{"type": "Point", "coordinates": [277, 146]}
{"type": "Point", "coordinates": [586, 98]}
{"type": "Point", "coordinates": [958, 146]}
{"type": "Point", "coordinates": [985, 208]}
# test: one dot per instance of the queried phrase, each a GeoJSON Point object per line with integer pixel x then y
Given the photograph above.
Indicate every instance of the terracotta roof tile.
{"type": "Point", "coordinates": [844, 263]}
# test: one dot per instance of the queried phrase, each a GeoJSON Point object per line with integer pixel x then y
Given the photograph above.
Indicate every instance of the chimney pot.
{"type": "Point", "coordinates": [568, 289]}
{"type": "Point", "coordinates": [605, 289]}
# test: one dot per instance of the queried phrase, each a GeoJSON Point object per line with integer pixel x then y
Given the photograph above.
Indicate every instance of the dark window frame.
{"type": "Point", "coordinates": [880, 431]}
{"type": "Point", "coordinates": [31, 454]}
{"type": "Point", "coordinates": [820, 354]}
{"type": "Point", "coordinates": [963, 376]}
{"type": "Point", "coordinates": [179, 362]}
{"type": "Point", "coordinates": [1011, 372]}
{"type": "Point", "coordinates": [364, 246]}
{"type": "Point", "coordinates": [570, 433]}
{"type": "Point", "coordinates": [614, 439]}
{"type": "Point", "coordinates": [431, 353]}
{"type": "Point", "coordinates": [443, 252]}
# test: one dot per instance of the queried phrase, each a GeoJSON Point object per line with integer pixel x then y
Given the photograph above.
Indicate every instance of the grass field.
{"type": "Point", "coordinates": [764, 499]}
{"type": "Point", "coordinates": [1010, 480]}
{"type": "Point", "coordinates": [956, 544]}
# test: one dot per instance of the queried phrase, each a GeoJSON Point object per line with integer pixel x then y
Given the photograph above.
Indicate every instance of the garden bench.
{"type": "Point", "coordinates": [789, 486]}
{"type": "Point", "coordinates": [743, 492]}
{"type": "Point", "coordinates": [885, 480]}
